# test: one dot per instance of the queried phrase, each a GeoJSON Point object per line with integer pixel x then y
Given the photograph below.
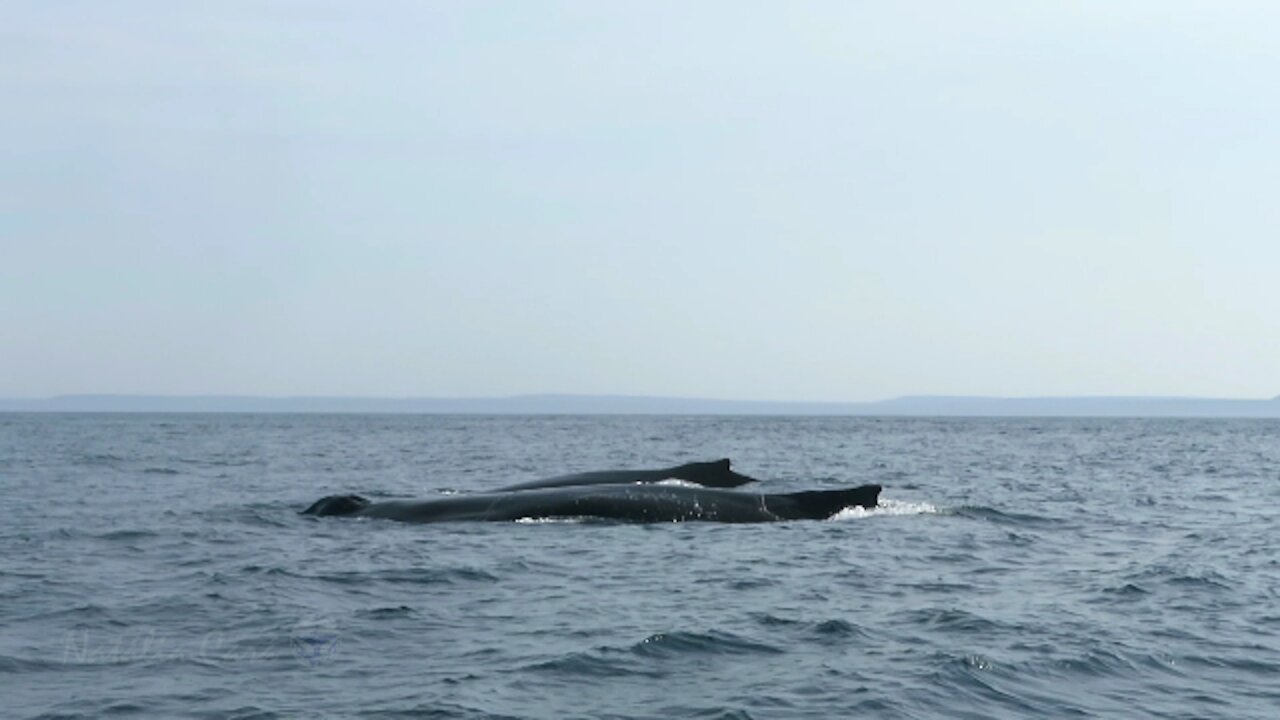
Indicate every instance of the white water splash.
{"type": "Point", "coordinates": [886, 507]}
{"type": "Point", "coordinates": [549, 520]}
{"type": "Point", "coordinates": [677, 482]}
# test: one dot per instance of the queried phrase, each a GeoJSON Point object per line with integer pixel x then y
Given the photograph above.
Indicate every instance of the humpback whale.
{"type": "Point", "coordinates": [715, 474]}
{"type": "Point", "coordinates": [633, 503]}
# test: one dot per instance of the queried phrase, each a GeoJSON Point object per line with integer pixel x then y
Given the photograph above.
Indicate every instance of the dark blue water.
{"type": "Point", "coordinates": [154, 566]}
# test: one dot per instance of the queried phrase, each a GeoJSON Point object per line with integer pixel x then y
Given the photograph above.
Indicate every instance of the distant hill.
{"type": "Point", "coordinates": [929, 406]}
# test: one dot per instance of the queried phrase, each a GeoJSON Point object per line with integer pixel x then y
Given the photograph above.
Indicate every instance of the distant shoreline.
{"type": "Point", "coordinates": [916, 406]}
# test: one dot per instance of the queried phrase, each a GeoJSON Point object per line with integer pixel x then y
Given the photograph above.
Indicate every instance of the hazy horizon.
{"type": "Point", "coordinates": [917, 406]}
{"type": "Point", "coordinates": [824, 202]}
{"type": "Point", "coordinates": [624, 396]}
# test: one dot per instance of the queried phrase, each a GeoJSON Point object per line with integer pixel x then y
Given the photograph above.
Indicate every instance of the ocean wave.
{"type": "Point", "coordinates": [990, 514]}
{"type": "Point", "coordinates": [383, 613]}
{"type": "Point", "coordinates": [822, 630]}
{"type": "Point", "coordinates": [124, 535]}
{"type": "Point", "coordinates": [934, 586]}
{"type": "Point", "coordinates": [706, 713]}
{"type": "Point", "coordinates": [410, 576]}
{"type": "Point", "coordinates": [952, 620]}
{"type": "Point", "coordinates": [1182, 577]}
{"type": "Point", "coordinates": [1208, 580]}
{"type": "Point", "coordinates": [99, 459]}
{"type": "Point", "coordinates": [247, 712]}
{"type": "Point", "coordinates": [981, 679]}
{"type": "Point", "coordinates": [597, 665]}
{"type": "Point", "coordinates": [684, 643]}
{"type": "Point", "coordinates": [836, 629]}
{"type": "Point", "coordinates": [639, 659]}
{"type": "Point", "coordinates": [79, 613]}
{"type": "Point", "coordinates": [19, 665]}
{"type": "Point", "coordinates": [752, 583]}
{"type": "Point", "coordinates": [223, 462]}
{"type": "Point", "coordinates": [1235, 664]}
{"type": "Point", "coordinates": [1127, 590]}
{"type": "Point", "coordinates": [433, 711]}
{"type": "Point", "coordinates": [1096, 663]}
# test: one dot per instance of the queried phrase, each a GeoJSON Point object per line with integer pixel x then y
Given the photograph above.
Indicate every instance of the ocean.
{"type": "Point", "coordinates": [155, 566]}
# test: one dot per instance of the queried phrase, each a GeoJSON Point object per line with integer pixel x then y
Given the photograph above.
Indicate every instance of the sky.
{"type": "Point", "coordinates": [772, 201]}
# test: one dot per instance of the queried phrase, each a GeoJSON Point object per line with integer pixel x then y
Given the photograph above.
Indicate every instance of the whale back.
{"type": "Point", "coordinates": [714, 474]}
{"type": "Point", "coordinates": [337, 505]}
{"type": "Point", "coordinates": [634, 503]}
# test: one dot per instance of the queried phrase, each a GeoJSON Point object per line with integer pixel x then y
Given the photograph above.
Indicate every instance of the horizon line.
{"type": "Point", "coordinates": [1147, 406]}
{"type": "Point", "coordinates": [620, 396]}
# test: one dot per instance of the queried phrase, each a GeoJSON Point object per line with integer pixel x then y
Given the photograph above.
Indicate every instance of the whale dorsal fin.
{"type": "Point", "coordinates": [714, 473]}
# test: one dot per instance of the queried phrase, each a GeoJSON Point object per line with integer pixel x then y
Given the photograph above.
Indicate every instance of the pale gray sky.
{"type": "Point", "coordinates": [811, 201]}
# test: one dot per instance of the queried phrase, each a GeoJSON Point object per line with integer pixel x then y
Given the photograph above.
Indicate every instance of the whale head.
{"type": "Point", "coordinates": [822, 504]}
{"type": "Point", "coordinates": [336, 505]}
{"type": "Point", "coordinates": [714, 474]}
